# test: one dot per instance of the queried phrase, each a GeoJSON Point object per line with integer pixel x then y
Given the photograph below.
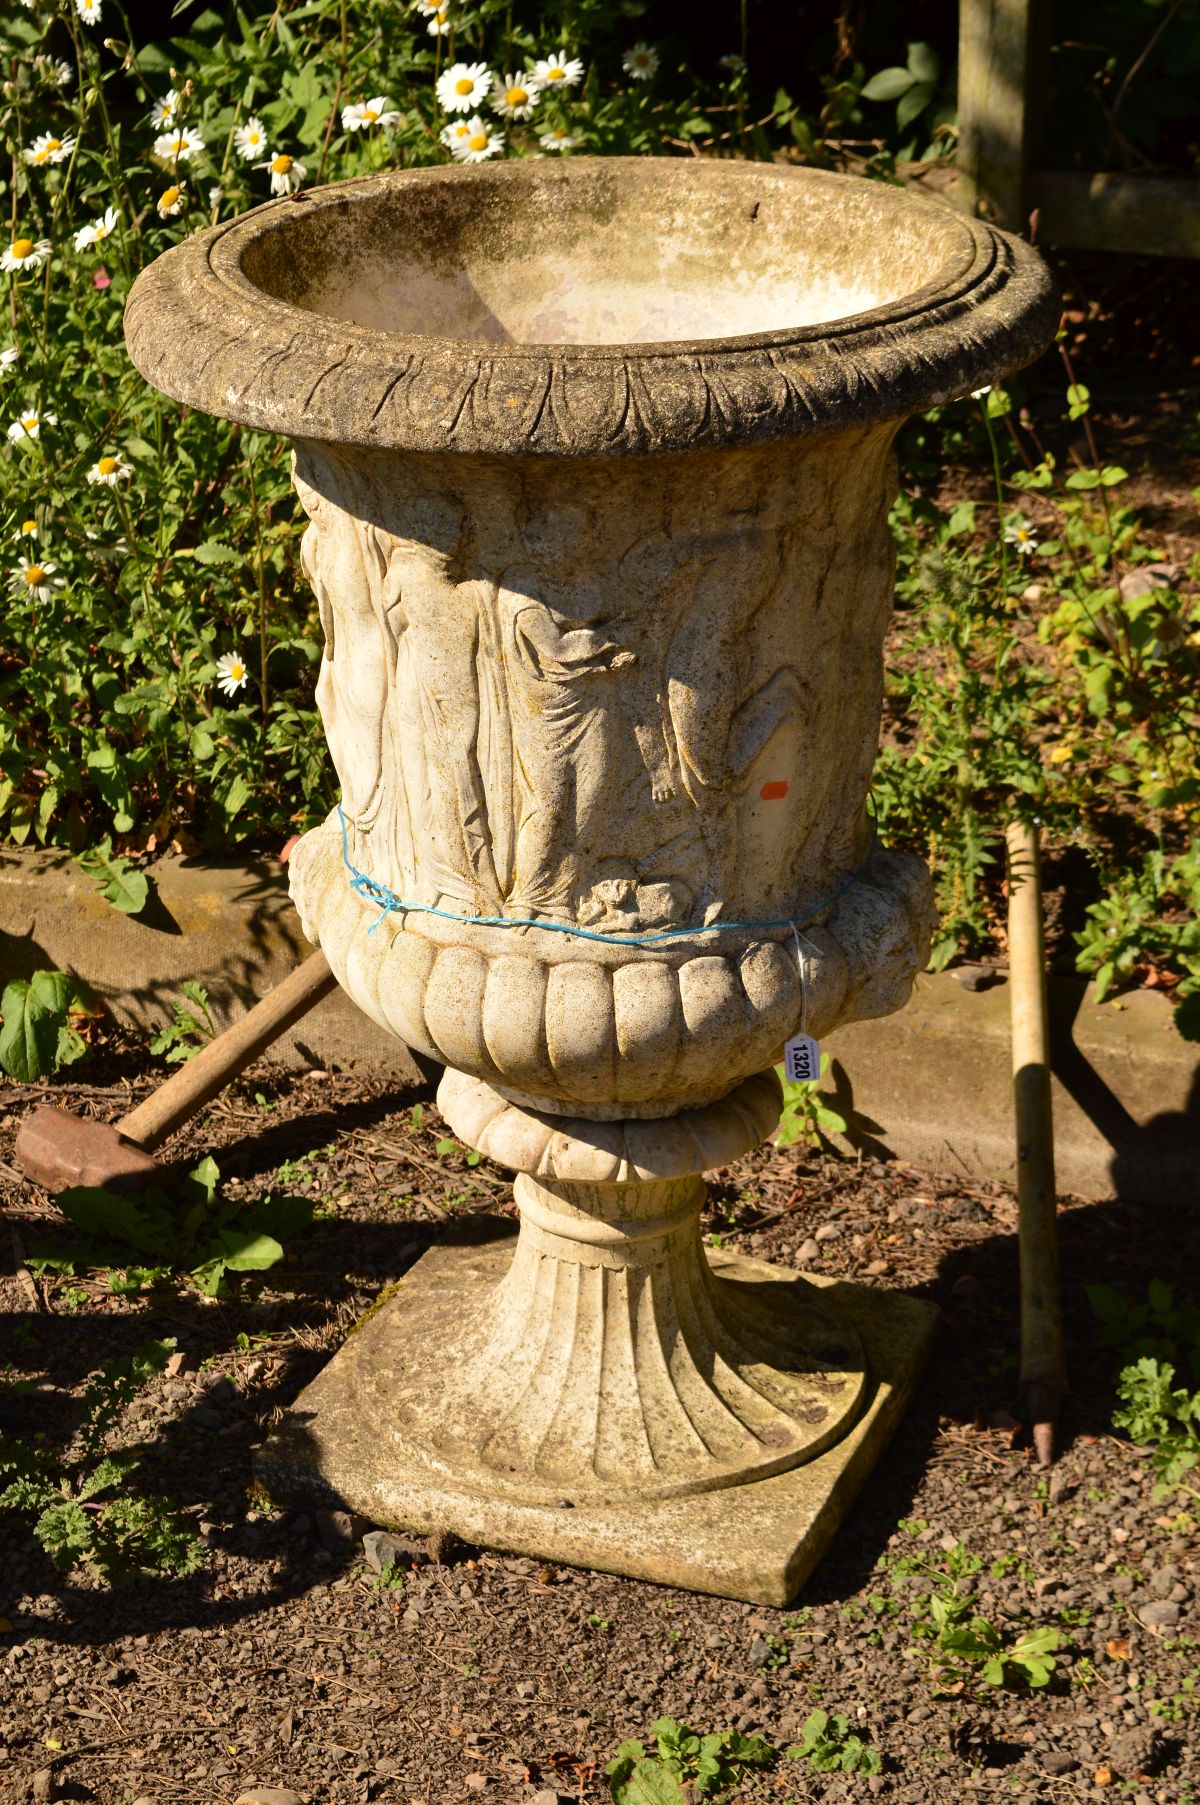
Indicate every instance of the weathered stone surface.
{"type": "Point", "coordinates": [604, 570]}
{"type": "Point", "coordinates": [748, 303]}
{"type": "Point", "coordinates": [756, 1540]}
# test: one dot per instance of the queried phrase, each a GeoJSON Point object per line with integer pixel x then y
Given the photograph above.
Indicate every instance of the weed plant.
{"type": "Point", "coordinates": [84, 1505]}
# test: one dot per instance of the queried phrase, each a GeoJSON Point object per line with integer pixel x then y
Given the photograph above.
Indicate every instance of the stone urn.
{"type": "Point", "coordinates": [597, 460]}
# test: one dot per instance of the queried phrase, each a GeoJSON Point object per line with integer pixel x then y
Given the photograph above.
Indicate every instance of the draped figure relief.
{"type": "Point", "coordinates": [619, 727]}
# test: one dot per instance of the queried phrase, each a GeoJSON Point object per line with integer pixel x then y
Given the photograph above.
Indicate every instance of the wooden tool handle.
{"type": "Point", "coordinates": [211, 1070]}
{"type": "Point", "coordinates": [1043, 1360]}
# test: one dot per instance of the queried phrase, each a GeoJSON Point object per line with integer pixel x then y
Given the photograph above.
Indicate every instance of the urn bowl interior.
{"type": "Point", "coordinates": [592, 251]}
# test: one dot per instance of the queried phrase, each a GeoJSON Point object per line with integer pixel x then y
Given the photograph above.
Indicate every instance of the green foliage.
{"type": "Point", "coordinates": [709, 1765]}
{"type": "Point", "coordinates": [963, 1645]}
{"type": "Point", "coordinates": [81, 1504]}
{"type": "Point", "coordinates": [807, 1115]}
{"type": "Point", "coordinates": [196, 1233]}
{"type": "Point", "coordinates": [919, 95]}
{"type": "Point", "coordinates": [115, 878]}
{"type": "Point", "coordinates": [113, 728]}
{"type": "Point", "coordinates": [1094, 720]}
{"type": "Point", "coordinates": [1159, 1342]}
{"type": "Point", "coordinates": [1157, 1411]}
{"type": "Point", "coordinates": [830, 1747]}
{"type": "Point", "coordinates": [37, 1037]}
{"type": "Point", "coordinates": [184, 1035]}
{"type": "Point", "coordinates": [1151, 915]}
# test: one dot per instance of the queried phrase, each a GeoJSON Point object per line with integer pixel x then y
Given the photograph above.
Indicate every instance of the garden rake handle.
{"type": "Point", "coordinates": [1043, 1378]}
{"type": "Point", "coordinates": [149, 1125]}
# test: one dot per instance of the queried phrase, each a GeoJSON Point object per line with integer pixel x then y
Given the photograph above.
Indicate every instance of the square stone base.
{"type": "Point", "coordinates": [757, 1541]}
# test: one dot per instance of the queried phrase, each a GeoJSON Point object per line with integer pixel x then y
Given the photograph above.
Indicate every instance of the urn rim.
{"type": "Point", "coordinates": [239, 350]}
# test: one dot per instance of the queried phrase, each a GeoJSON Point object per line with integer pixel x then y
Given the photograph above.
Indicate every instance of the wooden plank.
{"type": "Point", "coordinates": [995, 73]}
{"type": "Point", "coordinates": [1150, 216]}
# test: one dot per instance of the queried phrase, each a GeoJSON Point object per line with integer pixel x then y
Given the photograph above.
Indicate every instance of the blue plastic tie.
{"type": "Point", "coordinates": [389, 903]}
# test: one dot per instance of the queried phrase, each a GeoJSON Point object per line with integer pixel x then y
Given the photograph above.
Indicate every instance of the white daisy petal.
{"type": "Point", "coordinates": [463, 87]}
{"type": "Point", "coordinates": [515, 96]}
{"type": "Point", "coordinates": [641, 62]}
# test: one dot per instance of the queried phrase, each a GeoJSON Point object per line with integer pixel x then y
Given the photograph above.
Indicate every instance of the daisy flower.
{"type": "Point", "coordinates": [561, 71]}
{"type": "Point", "coordinates": [231, 667]}
{"type": "Point", "coordinates": [179, 145]}
{"type": "Point", "coordinates": [981, 394]}
{"type": "Point", "coordinates": [428, 7]}
{"type": "Point", "coordinates": [641, 62]}
{"type": "Point", "coordinates": [25, 254]}
{"type": "Point", "coordinates": [57, 73]}
{"type": "Point", "coordinates": [479, 144]}
{"type": "Point", "coordinates": [439, 22]}
{"type": "Point", "coordinates": [97, 232]}
{"type": "Point", "coordinates": [286, 173]}
{"type": "Point", "coordinates": [250, 140]}
{"type": "Point", "coordinates": [215, 196]}
{"type": "Point", "coordinates": [110, 471]}
{"type": "Point", "coordinates": [8, 357]}
{"type": "Point", "coordinates": [558, 138]}
{"type": "Point", "coordinates": [1020, 534]}
{"type": "Point", "coordinates": [514, 96]}
{"type": "Point", "coordinates": [46, 148]}
{"type": "Point", "coordinates": [28, 529]}
{"type": "Point", "coordinates": [166, 110]}
{"type": "Point", "coordinates": [457, 132]}
{"type": "Point", "coordinates": [29, 424]}
{"type": "Point", "coordinates": [34, 579]}
{"type": "Point", "coordinates": [170, 202]}
{"type": "Point", "coordinates": [463, 87]}
{"type": "Point", "coordinates": [366, 113]}
{"type": "Point", "coordinates": [89, 11]}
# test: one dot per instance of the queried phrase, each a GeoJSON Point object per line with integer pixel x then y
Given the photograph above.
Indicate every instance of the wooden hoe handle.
{"type": "Point", "coordinates": [222, 1059]}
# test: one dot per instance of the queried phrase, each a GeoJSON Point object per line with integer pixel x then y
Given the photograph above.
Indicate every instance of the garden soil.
{"type": "Point", "coordinates": [288, 1662]}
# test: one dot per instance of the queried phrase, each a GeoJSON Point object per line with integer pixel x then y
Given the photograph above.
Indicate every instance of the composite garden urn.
{"type": "Point", "coordinates": [597, 460]}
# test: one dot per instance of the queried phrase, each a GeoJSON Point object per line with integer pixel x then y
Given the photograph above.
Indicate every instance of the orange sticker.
{"type": "Point", "coordinates": [774, 792]}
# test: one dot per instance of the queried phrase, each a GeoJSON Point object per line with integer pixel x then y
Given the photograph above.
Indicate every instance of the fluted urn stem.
{"type": "Point", "coordinates": [612, 1359]}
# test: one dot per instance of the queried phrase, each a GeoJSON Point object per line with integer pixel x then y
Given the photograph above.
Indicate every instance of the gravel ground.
{"type": "Point", "coordinates": [288, 1662]}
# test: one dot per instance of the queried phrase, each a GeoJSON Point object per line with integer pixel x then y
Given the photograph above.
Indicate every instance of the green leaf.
{"type": "Point", "coordinates": [647, 1782]}
{"type": "Point", "coordinates": [35, 1013]}
{"type": "Point", "coordinates": [924, 63]}
{"type": "Point", "coordinates": [213, 552]}
{"type": "Point", "coordinates": [112, 874]}
{"type": "Point", "coordinates": [143, 1220]}
{"type": "Point", "coordinates": [245, 1250]}
{"type": "Point", "coordinates": [889, 84]}
{"type": "Point", "coordinates": [913, 103]}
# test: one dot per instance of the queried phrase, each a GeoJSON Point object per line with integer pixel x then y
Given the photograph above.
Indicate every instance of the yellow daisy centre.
{"type": "Point", "coordinates": [33, 575]}
{"type": "Point", "coordinates": [478, 140]}
{"type": "Point", "coordinates": [236, 668]}
{"type": "Point", "coordinates": [106, 466]}
{"type": "Point", "coordinates": [168, 197]}
{"type": "Point", "coordinates": [281, 164]}
{"type": "Point", "coordinates": [53, 144]}
{"type": "Point", "coordinates": [370, 115]}
{"type": "Point", "coordinates": [21, 248]}
{"type": "Point", "coordinates": [556, 73]}
{"type": "Point", "coordinates": [517, 96]}
{"type": "Point", "coordinates": [29, 526]}
{"type": "Point", "coordinates": [463, 85]}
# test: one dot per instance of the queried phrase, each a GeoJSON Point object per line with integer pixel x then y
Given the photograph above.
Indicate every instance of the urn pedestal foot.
{"type": "Point", "coordinates": [600, 1388]}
